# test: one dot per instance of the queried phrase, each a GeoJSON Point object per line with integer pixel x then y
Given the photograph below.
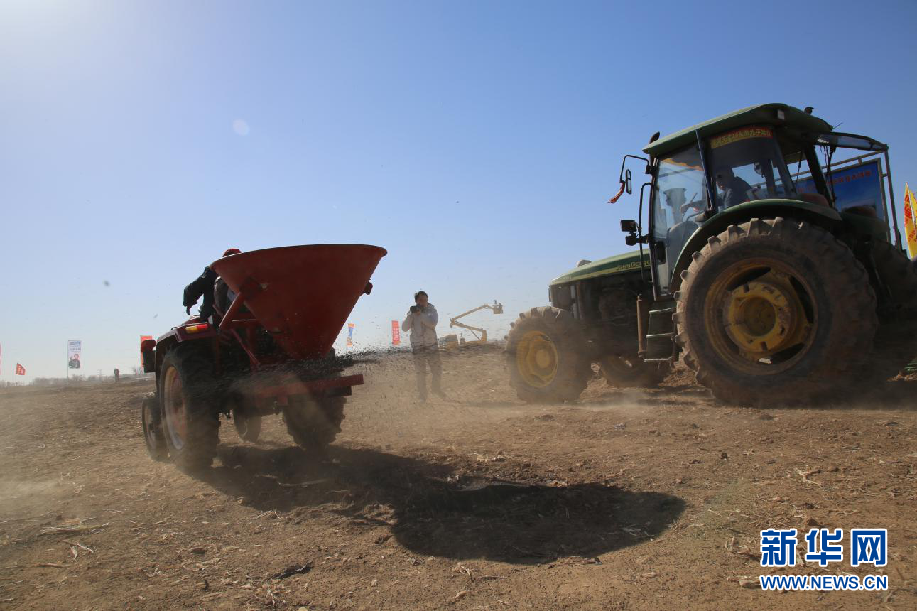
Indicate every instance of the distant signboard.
{"type": "Point", "coordinates": [856, 186]}
{"type": "Point", "coordinates": [74, 348]}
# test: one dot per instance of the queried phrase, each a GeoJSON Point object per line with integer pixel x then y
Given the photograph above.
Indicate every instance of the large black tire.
{"type": "Point", "coordinates": [632, 371]}
{"type": "Point", "coordinates": [895, 344]}
{"type": "Point", "coordinates": [547, 356]}
{"type": "Point", "coordinates": [151, 420]}
{"type": "Point", "coordinates": [822, 285]}
{"type": "Point", "coordinates": [314, 422]}
{"type": "Point", "coordinates": [189, 397]}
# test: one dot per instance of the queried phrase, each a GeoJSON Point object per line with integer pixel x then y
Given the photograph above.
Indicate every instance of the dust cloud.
{"type": "Point", "coordinates": [457, 502]}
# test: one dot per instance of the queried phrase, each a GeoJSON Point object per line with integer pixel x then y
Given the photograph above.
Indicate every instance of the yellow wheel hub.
{"type": "Point", "coordinates": [536, 359]}
{"type": "Point", "coordinates": [764, 316]}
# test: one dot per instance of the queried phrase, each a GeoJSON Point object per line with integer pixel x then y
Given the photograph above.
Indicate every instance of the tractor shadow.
{"type": "Point", "coordinates": [439, 510]}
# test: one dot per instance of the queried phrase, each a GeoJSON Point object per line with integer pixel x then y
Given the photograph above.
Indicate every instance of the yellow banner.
{"type": "Point", "coordinates": [743, 133]}
{"type": "Point", "coordinates": [910, 226]}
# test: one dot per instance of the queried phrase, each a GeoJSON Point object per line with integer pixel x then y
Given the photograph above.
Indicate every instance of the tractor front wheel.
{"type": "Point", "coordinates": [246, 420]}
{"type": "Point", "coordinates": [547, 356]}
{"type": "Point", "coordinates": [775, 311]}
{"type": "Point", "coordinates": [314, 422]}
{"type": "Point", "coordinates": [151, 419]}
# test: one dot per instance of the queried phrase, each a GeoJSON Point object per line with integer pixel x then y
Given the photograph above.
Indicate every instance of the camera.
{"type": "Point", "coordinates": [415, 309]}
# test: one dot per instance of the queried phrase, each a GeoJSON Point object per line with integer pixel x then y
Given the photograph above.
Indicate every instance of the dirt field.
{"type": "Point", "coordinates": [626, 500]}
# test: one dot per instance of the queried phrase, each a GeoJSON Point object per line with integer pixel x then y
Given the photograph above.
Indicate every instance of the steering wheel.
{"type": "Point", "coordinates": [698, 206]}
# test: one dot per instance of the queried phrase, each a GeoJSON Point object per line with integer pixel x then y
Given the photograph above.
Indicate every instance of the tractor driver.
{"type": "Point", "coordinates": [204, 286]}
{"type": "Point", "coordinates": [735, 190]}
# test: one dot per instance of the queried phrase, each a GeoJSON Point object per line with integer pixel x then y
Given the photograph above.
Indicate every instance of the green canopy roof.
{"type": "Point", "coordinates": [762, 114]}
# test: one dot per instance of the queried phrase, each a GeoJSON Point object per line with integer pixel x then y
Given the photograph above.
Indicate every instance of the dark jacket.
{"type": "Point", "coordinates": [203, 285]}
{"type": "Point", "coordinates": [735, 192]}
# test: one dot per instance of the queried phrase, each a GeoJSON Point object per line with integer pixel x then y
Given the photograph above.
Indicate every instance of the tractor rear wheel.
{"type": "Point", "coordinates": [625, 371]}
{"type": "Point", "coordinates": [191, 423]}
{"type": "Point", "coordinates": [895, 345]}
{"type": "Point", "coordinates": [775, 311]}
{"type": "Point", "coordinates": [898, 278]}
{"type": "Point", "coordinates": [151, 419]}
{"type": "Point", "coordinates": [547, 356]}
{"type": "Point", "coordinates": [314, 422]}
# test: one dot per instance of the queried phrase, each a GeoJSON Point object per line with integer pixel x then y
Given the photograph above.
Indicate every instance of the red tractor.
{"type": "Point", "coordinates": [270, 351]}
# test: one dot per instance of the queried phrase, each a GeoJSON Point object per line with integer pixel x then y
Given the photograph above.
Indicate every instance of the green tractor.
{"type": "Point", "coordinates": [771, 275]}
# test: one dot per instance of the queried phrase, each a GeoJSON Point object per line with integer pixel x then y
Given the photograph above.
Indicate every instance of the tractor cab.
{"type": "Point", "coordinates": [762, 157]}
{"type": "Point", "coordinates": [741, 165]}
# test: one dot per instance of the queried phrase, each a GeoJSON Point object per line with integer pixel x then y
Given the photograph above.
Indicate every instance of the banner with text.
{"type": "Point", "coordinates": [856, 186]}
{"type": "Point", "coordinates": [74, 350]}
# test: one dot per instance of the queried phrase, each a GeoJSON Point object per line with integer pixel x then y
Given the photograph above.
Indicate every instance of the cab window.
{"type": "Point", "coordinates": [747, 165]}
{"type": "Point", "coordinates": [679, 197]}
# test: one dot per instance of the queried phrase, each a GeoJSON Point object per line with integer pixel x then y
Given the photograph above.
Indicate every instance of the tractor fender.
{"type": "Point", "coordinates": [816, 214]}
{"type": "Point", "coordinates": [165, 343]}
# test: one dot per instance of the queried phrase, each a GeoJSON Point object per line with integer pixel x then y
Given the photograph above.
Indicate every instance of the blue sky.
{"type": "Point", "coordinates": [476, 141]}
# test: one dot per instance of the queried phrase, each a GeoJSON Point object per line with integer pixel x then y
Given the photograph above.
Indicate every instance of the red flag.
{"type": "Point", "coordinates": [20, 370]}
{"type": "Point", "coordinates": [617, 195]}
{"type": "Point", "coordinates": [396, 333]}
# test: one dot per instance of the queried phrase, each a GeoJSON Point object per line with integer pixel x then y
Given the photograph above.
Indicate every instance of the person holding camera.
{"type": "Point", "coordinates": [421, 322]}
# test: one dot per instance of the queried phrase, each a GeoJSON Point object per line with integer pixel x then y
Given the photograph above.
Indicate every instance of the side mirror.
{"type": "Point", "coordinates": [627, 182]}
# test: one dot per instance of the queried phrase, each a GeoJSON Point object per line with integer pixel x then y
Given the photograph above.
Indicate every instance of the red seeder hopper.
{"type": "Point", "coordinates": [301, 295]}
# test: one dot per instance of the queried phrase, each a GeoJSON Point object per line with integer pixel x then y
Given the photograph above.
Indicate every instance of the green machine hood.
{"type": "Point", "coordinates": [618, 264]}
